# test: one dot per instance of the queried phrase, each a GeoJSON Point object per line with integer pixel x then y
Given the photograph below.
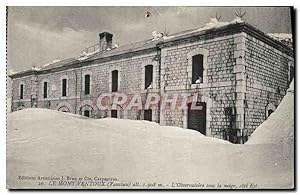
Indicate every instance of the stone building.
{"type": "Point", "coordinates": [236, 73]}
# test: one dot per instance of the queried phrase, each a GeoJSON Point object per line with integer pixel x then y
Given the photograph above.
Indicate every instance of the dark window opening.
{"type": "Point", "coordinates": [114, 82]}
{"type": "Point", "coordinates": [21, 91]}
{"type": "Point", "coordinates": [197, 69]}
{"type": "Point", "coordinates": [45, 89]}
{"type": "Point", "coordinates": [270, 112]}
{"type": "Point", "coordinates": [148, 76]}
{"type": "Point", "coordinates": [148, 115]}
{"type": "Point", "coordinates": [114, 114]}
{"type": "Point", "coordinates": [64, 87]}
{"type": "Point", "coordinates": [292, 72]}
{"type": "Point", "coordinates": [86, 113]}
{"type": "Point", "coordinates": [87, 84]}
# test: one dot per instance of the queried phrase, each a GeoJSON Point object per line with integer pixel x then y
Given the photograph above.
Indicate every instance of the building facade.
{"type": "Point", "coordinates": [236, 73]}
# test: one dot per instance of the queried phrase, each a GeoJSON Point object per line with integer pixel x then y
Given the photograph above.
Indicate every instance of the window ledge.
{"type": "Point", "coordinates": [198, 85]}
{"type": "Point", "coordinates": [149, 90]}
{"type": "Point", "coordinates": [87, 95]}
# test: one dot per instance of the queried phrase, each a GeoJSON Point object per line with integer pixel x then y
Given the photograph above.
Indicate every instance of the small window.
{"type": "Point", "coordinates": [87, 82]}
{"type": "Point", "coordinates": [197, 69]}
{"type": "Point", "coordinates": [148, 115]}
{"type": "Point", "coordinates": [21, 91]}
{"type": "Point", "coordinates": [45, 90]}
{"type": "Point", "coordinates": [86, 113]}
{"type": "Point", "coordinates": [114, 87]}
{"type": "Point", "coordinates": [64, 87]}
{"type": "Point", "coordinates": [114, 114]}
{"type": "Point", "coordinates": [270, 112]}
{"type": "Point", "coordinates": [292, 72]}
{"type": "Point", "coordinates": [148, 76]}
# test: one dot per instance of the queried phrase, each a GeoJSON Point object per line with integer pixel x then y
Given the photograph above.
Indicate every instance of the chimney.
{"type": "Point", "coordinates": [105, 41]}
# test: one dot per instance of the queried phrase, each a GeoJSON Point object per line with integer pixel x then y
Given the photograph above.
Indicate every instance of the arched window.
{"type": "Point", "coordinates": [197, 69]}
{"type": "Point", "coordinates": [64, 109]}
{"type": "Point", "coordinates": [87, 110]}
{"type": "Point", "coordinates": [114, 81]}
{"type": "Point", "coordinates": [87, 84]}
{"type": "Point", "coordinates": [148, 76]}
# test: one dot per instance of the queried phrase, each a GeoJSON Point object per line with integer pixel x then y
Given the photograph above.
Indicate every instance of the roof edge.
{"type": "Point", "coordinates": [220, 31]}
{"type": "Point", "coordinates": [233, 28]}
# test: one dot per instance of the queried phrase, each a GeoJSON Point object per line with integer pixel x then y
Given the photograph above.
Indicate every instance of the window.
{"type": "Point", "coordinates": [114, 114]}
{"type": "Point", "coordinates": [270, 112]}
{"type": "Point", "coordinates": [64, 87]}
{"type": "Point", "coordinates": [148, 115]}
{"type": "Point", "coordinates": [21, 91]}
{"type": "Point", "coordinates": [148, 76]}
{"type": "Point", "coordinates": [270, 108]}
{"type": "Point", "coordinates": [86, 113]}
{"type": "Point", "coordinates": [197, 69]}
{"type": "Point", "coordinates": [87, 84]}
{"type": "Point", "coordinates": [45, 90]}
{"type": "Point", "coordinates": [114, 82]}
{"type": "Point", "coordinates": [292, 72]}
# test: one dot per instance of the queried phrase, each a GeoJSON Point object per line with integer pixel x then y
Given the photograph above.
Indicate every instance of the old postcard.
{"type": "Point", "coordinates": [150, 98]}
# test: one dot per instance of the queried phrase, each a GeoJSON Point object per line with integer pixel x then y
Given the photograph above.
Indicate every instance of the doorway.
{"type": "Point", "coordinates": [197, 117]}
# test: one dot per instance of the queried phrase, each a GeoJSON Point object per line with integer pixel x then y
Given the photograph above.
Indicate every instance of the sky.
{"type": "Point", "coordinates": [39, 35]}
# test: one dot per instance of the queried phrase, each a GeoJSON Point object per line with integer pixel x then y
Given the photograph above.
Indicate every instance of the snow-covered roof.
{"type": "Point", "coordinates": [281, 36]}
{"type": "Point", "coordinates": [158, 38]}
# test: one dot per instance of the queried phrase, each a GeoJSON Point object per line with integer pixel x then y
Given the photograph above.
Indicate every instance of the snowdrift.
{"type": "Point", "coordinates": [279, 127]}
{"type": "Point", "coordinates": [43, 142]}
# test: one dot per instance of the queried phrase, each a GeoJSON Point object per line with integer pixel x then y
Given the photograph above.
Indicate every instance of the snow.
{"type": "Point", "coordinates": [279, 127]}
{"type": "Point", "coordinates": [85, 55]}
{"type": "Point", "coordinates": [51, 143]}
{"type": "Point", "coordinates": [281, 36]}
{"type": "Point", "coordinates": [45, 65]}
{"type": "Point", "coordinates": [213, 23]}
{"type": "Point", "coordinates": [54, 61]}
{"type": "Point", "coordinates": [11, 72]}
{"type": "Point", "coordinates": [35, 68]}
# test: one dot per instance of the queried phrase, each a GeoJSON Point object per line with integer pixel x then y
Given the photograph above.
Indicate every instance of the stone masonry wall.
{"type": "Point", "coordinates": [131, 81]}
{"type": "Point", "coordinates": [267, 71]}
{"type": "Point", "coordinates": [28, 83]}
{"type": "Point", "coordinates": [217, 89]}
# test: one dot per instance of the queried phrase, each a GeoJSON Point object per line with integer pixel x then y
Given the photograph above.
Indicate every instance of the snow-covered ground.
{"type": "Point", "coordinates": [43, 142]}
